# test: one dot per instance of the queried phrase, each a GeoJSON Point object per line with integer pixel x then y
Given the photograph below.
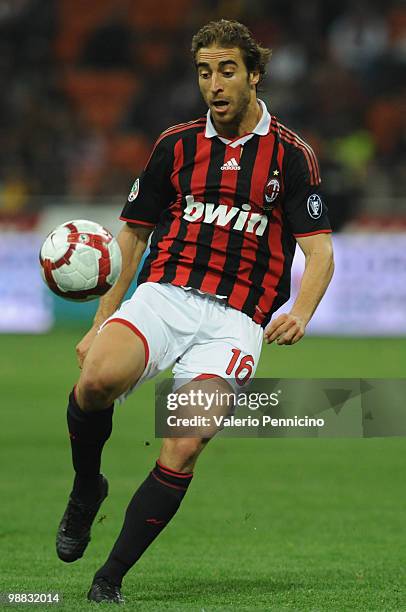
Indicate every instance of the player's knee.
{"type": "Point", "coordinates": [95, 391]}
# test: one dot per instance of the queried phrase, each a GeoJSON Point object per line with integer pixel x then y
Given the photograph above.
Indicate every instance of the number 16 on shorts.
{"type": "Point", "coordinates": [240, 367]}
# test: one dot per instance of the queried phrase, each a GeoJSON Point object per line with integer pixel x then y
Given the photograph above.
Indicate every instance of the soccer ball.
{"type": "Point", "coordinates": [80, 260]}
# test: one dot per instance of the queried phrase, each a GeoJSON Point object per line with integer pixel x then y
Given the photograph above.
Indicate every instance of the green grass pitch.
{"type": "Point", "coordinates": [298, 524]}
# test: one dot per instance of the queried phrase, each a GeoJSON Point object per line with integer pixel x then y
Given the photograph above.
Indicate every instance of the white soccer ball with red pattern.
{"type": "Point", "coordinates": [80, 260]}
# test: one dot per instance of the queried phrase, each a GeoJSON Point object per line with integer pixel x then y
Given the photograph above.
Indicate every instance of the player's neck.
{"type": "Point", "coordinates": [243, 125]}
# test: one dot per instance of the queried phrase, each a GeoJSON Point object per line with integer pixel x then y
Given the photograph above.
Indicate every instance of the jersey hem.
{"type": "Point", "coordinates": [325, 231]}
{"type": "Point", "coordinates": [146, 223]}
{"type": "Point", "coordinates": [256, 317]}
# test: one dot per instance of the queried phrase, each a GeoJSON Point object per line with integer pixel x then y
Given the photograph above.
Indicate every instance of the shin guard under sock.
{"type": "Point", "coordinates": [88, 433]}
{"type": "Point", "coordinates": [150, 510]}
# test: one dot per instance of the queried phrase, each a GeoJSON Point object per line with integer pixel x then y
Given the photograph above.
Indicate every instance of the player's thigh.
{"type": "Point", "coordinates": [115, 361]}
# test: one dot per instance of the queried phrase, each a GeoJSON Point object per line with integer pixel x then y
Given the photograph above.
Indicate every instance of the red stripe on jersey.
{"type": "Point", "coordinates": [300, 143]}
{"type": "Point", "coordinates": [280, 155]}
{"type": "Point", "coordinates": [291, 140]}
{"type": "Point", "coordinates": [176, 129]}
{"type": "Point", "coordinates": [276, 260]}
{"type": "Point", "coordinates": [215, 266]}
{"type": "Point", "coordinates": [164, 254]}
{"type": "Point", "coordinates": [136, 222]}
{"type": "Point", "coordinates": [197, 188]}
{"type": "Point", "coordinates": [179, 126]}
{"type": "Point", "coordinates": [312, 155]}
{"type": "Point", "coordinates": [321, 231]}
{"type": "Point", "coordinates": [250, 244]}
{"type": "Point", "coordinates": [311, 160]}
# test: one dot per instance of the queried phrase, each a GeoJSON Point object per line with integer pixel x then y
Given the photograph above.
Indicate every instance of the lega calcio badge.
{"type": "Point", "coordinates": [134, 190]}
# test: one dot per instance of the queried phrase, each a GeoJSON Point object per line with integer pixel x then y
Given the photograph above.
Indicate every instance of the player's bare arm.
{"type": "Point", "coordinates": [133, 240]}
{"type": "Point", "coordinates": [289, 328]}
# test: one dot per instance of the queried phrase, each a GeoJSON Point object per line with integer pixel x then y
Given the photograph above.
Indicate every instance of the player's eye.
{"type": "Point", "coordinates": [228, 73]}
{"type": "Point", "coordinates": [204, 75]}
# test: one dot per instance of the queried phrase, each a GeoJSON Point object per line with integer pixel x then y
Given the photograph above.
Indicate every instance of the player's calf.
{"type": "Point", "coordinates": [88, 433]}
{"type": "Point", "coordinates": [154, 504]}
{"type": "Point", "coordinates": [152, 507]}
{"type": "Point", "coordinates": [115, 360]}
{"type": "Point", "coordinates": [180, 454]}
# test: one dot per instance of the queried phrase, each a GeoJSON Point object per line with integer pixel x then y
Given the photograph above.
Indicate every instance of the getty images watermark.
{"type": "Point", "coordinates": [281, 408]}
{"type": "Point", "coordinates": [211, 402]}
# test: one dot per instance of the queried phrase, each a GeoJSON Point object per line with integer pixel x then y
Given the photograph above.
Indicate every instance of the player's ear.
{"type": "Point", "coordinates": [254, 77]}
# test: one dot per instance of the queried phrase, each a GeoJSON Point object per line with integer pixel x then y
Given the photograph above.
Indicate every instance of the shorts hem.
{"type": "Point", "coordinates": [136, 331]}
{"type": "Point", "coordinates": [206, 376]}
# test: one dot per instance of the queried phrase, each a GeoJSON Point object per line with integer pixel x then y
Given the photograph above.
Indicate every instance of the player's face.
{"type": "Point", "coordinates": [226, 85]}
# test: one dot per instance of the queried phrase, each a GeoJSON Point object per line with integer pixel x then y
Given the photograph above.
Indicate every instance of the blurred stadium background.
{"type": "Point", "coordinates": [87, 85]}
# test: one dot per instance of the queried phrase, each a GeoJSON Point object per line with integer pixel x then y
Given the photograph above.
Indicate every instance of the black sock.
{"type": "Point", "coordinates": [88, 433]}
{"type": "Point", "coordinates": [150, 510]}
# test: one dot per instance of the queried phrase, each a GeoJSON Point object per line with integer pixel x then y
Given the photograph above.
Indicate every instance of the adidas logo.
{"type": "Point", "coordinates": [232, 164]}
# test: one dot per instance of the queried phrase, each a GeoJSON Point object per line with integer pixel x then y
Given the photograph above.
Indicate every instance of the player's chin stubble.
{"type": "Point", "coordinates": [241, 110]}
{"type": "Point", "coordinates": [242, 104]}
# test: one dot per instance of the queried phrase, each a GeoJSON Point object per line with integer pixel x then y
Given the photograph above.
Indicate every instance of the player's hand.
{"type": "Point", "coordinates": [83, 346]}
{"type": "Point", "coordinates": [285, 329]}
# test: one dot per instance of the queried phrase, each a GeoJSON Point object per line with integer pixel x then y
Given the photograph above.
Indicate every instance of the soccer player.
{"type": "Point", "coordinates": [226, 198]}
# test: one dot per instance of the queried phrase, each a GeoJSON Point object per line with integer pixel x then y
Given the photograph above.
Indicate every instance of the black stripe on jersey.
{"type": "Point", "coordinates": [175, 130]}
{"type": "Point", "coordinates": [166, 218]}
{"type": "Point", "coordinates": [283, 287]}
{"type": "Point", "coordinates": [236, 238]}
{"type": "Point", "coordinates": [157, 235]}
{"type": "Point", "coordinates": [288, 248]}
{"type": "Point", "coordinates": [185, 179]}
{"type": "Point", "coordinates": [263, 255]}
{"type": "Point", "coordinates": [205, 236]}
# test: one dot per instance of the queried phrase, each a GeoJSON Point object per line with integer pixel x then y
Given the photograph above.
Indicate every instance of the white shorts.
{"type": "Point", "coordinates": [196, 333]}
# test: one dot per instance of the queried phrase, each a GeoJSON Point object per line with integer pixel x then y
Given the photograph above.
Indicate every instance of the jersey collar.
{"type": "Point", "coordinates": [262, 128]}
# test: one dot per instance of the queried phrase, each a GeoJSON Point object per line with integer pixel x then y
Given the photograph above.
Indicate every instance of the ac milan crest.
{"type": "Point", "coordinates": [272, 190]}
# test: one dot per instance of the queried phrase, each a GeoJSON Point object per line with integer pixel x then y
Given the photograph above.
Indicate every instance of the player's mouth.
{"type": "Point", "coordinates": [220, 106]}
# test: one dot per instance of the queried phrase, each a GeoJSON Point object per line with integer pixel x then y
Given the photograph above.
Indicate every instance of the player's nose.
{"type": "Point", "coordinates": [216, 84]}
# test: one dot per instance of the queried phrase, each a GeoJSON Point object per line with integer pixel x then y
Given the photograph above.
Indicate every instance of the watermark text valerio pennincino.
{"type": "Point", "coordinates": [328, 408]}
{"type": "Point", "coordinates": [253, 401]}
{"type": "Point", "coordinates": [221, 421]}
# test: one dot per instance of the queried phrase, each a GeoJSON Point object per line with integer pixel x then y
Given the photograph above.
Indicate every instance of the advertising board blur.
{"type": "Point", "coordinates": [26, 305]}
{"type": "Point", "coordinates": [367, 296]}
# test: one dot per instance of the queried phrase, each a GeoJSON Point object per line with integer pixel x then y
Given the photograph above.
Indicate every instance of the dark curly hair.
{"type": "Point", "coordinates": [230, 33]}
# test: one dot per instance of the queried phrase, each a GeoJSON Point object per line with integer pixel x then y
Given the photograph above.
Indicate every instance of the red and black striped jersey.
{"type": "Point", "coordinates": [226, 216]}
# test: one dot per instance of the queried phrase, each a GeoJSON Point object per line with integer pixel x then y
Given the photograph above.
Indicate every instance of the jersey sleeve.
{"type": "Point", "coordinates": [152, 191]}
{"type": "Point", "coordinates": [304, 206]}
